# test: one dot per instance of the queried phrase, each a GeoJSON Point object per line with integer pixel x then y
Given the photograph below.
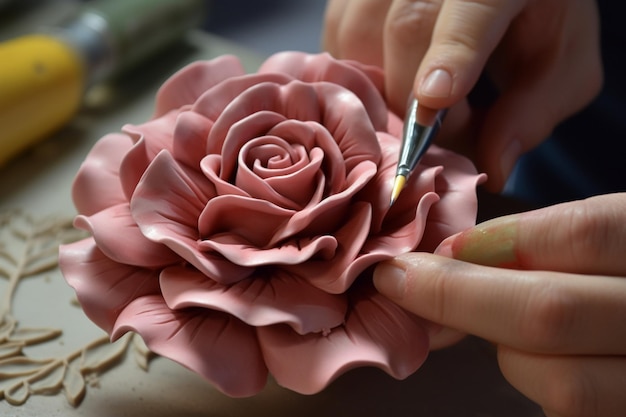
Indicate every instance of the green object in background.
{"type": "Point", "coordinates": [117, 34]}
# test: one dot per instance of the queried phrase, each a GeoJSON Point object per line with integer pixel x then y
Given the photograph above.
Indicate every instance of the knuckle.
{"type": "Point", "coordinates": [412, 23]}
{"type": "Point", "coordinates": [570, 394]}
{"type": "Point", "coordinates": [445, 282]}
{"type": "Point", "coordinates": [469, 34]}
{"type": "Point", "coordinates": [548, 320]}
{"type": "Point", "coordinates": [589, 229]}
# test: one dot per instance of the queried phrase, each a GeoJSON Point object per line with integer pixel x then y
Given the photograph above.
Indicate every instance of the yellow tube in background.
{"type": "Point", "coordinates": [42, 82]}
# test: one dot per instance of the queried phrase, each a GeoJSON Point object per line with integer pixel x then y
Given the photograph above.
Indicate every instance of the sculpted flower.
{"type": "Point", "coordinates": [235, 231]}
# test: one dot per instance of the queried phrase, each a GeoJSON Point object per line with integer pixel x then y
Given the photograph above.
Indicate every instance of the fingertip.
{"type": "Point", "coordinates": [437, 84]}
{"type": "Point", "coordinates": [390, 279]}
{"type": "Point", "coordinates": [436, 87]}
{"type": "Point", "coordinates": [445, 247]}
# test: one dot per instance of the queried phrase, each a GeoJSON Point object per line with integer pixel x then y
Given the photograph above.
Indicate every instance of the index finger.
{"type": "Point", "coordinates": [466, 33]}
{"type": "Point", "coordinates": [537, 311]}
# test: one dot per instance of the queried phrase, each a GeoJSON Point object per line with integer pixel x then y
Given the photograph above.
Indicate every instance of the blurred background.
{"type": "Point", "coordinates": [264, 26]}
{"type": "Point", "coordinates": [268, 26]}
{"type": "Point", "coordinates": [60, 59]}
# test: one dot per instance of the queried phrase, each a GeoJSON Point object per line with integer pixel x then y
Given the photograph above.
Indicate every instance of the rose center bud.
{"type": "Point", "coordinates": [286, 174]}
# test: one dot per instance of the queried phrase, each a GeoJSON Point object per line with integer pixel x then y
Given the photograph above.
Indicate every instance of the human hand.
{"type": "Point", "coordinates": [542, 55]}
{"type": "Point", "coordinates": [547, 287]}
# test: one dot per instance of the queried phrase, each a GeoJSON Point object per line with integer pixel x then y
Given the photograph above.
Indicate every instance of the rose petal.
{"type": "Point", "coordinates": [240, 132]}
{"type": "Point", "coordinates": [335, 276]}
{"type": "Point", "coordinates": [351, 75]}
{"type": "Point", "coordinates": [292, 185]}
{"type": "Point", "coordinates": [337, 109]}
{"type": "Point", "coordinates": [457, 187]}
{"type": "Point", "coordinates": [189, 83]}
{"type": "Point", "coordinates": [313, 135]}
{"type": "Point", "coordinates": [308, 134]}
{"type": "Point", "coordinates": [258, 300]}
{"type": "Point", "coordinates": [109, 224]}
{"type": "Point", "coordinates": [252, 219]}
{"type": "Point", "coordinates": [377, 333]}
{"type": "Point", "coordinates": [103, 287]}
{"type": "Point", "coordinates": [97, 184]}
{"type": "Point", "coordinates": [239, 251]}
{"type": "Point", "coordinates": [166, 206]}
{"type": "Point", "coordinates": [190, 138]}
{"type": "Point", "coordinates": [211, 165]}
{"type": "Point", "coordinates": [150, 138]}
{"type": "Point", "coordinates": [213, 101]}
{"type": "Point", "coordinates": [393, 242]}
{"type": "Point", "coordinates": [330, 213]}
{"type": "Point", "coordinates": [217, 346]}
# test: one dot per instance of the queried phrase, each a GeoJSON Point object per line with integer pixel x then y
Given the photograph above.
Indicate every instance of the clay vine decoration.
{"type": "Point", "coordinates": [29, 250]}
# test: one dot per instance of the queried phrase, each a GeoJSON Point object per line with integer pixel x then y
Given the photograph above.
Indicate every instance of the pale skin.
{"type": "Point", "coordinates": [547, 287]}
{"type": "Point", "coordinates": [542, 55]}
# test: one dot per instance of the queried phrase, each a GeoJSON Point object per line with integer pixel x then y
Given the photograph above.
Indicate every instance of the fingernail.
{"type": "Point", "coordinates": [390, 279]}
{"type": "Point", "coordinates": [509, 157]}
{"type": "Point", "coordinates": [491, 243]}
{"type": "Point", "coordinates": [437, 84]}
{"type": "Point", "coordinates": [445, 247]}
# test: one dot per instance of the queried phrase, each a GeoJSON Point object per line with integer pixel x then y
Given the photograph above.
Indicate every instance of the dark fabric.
{"type": "Point", "coordinates": [586, 154]}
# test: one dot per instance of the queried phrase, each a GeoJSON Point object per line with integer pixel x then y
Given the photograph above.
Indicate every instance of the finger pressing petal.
{"type": "Point", "coordinates": [537, 311]}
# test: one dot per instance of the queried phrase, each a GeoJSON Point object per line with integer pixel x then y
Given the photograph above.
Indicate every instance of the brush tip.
{"type": "Point", "coordinates": [398, 185]}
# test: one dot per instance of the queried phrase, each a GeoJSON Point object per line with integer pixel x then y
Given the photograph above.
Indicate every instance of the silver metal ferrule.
{"type": "Point", "coordinates": [416, 138]}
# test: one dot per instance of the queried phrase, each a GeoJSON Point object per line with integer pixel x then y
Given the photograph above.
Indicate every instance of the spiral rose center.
{"type": "Point", "coordinates": [271, 156]}
{"type": "Point", "coordinates": [286, 174]}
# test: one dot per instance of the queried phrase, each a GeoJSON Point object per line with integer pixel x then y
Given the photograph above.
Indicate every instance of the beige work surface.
{"type": "Point", "coordinates": [461, 381]}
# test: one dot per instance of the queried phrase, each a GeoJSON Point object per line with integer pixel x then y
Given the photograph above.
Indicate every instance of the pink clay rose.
{"type": "Point", "coordinates": [235, 230]}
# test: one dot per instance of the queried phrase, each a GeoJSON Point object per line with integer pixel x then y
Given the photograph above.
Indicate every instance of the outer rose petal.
{"type": "Point", "coordinates": [217, 346]}
{"type": "Point", "coordinates": [185, 86]}
{"type": "Point", "coordinates": [258, 301]}
{"type": "Point", "coordinates": [385, 246]}
{"type": "Point", "coordinates": [97, 184]}
{"type": "Point", "coordinates": [103, 287]}
{"type": "Point", "coordinates": [378, 190]}
{"type": "Point", "coordinates": [457, 209]}
{"type": "Point", "coordinates": [109, 224]}
{"type": "Point", "coordinates": [377, 333]}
